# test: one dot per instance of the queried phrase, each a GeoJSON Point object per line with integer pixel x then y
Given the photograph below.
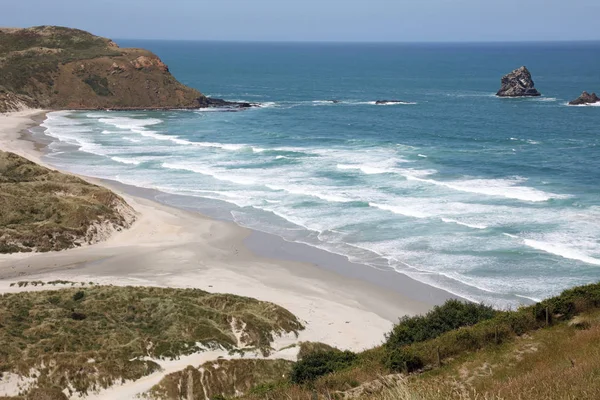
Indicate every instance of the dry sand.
{"type": "Point", "coordinates": [176, 248]}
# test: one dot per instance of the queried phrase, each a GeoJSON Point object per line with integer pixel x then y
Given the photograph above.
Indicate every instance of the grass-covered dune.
{"type": "Point", "coordinates": [44, 210]}
{"type": "Point", "coordinates": [87, 338]}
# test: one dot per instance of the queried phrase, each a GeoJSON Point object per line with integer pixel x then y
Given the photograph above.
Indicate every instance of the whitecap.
{"type": "Point", "coordinates": [474, 226]}
{"type": "Point", "coordinates": [366, 169]}
{"type": "Point", "coordinates": [126, 161]}
{"type": "Point", "coordinates": [561, 250]}
{"type": "Point", "coordinates": [407, 212]}
{"type": "Point", "coordinates": [495, 187]}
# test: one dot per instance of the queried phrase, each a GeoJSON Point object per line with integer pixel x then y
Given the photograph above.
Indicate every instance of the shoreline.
{"type": "Point", "coordinates": [169, 246]}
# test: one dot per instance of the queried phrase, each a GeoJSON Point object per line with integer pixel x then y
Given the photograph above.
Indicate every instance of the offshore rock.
{"type": "Point", "coordinates": [518, 84]}
{"type": "Point", "coordinates": [584, 99]}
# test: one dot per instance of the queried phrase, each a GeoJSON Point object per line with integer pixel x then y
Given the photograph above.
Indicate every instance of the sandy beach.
{"type": "Point", "coordinates": [166, 246]}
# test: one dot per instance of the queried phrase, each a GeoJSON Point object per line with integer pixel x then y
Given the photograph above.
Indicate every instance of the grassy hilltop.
{"type": "Point", "coordinates": [61, 68]}
{"type": "Point", "coordinates": [44, 210]}
{"type": "Point", "coordinates": [91, 337]}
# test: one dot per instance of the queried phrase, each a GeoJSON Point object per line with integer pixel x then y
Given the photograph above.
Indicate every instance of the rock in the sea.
{"type": "Point", "coordinates": [518, 84]}
{"type": "Point", "coordinates": [384, 102]}
{"type": "Point", "coordinates": [585, 98]}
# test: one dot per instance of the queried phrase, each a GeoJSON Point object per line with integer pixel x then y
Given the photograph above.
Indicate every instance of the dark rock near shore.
{"type": "Point", "coordinates": [585, 98]}
{"type": "Point", "coordinates": [210, 102]}
{"type": "Point", "coordinates": [518, 84]}
{"type": "Point", "coordinates": [384, 102]}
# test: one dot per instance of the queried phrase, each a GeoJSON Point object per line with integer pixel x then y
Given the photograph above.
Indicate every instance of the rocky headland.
{"type": "Point", "coordinates": [518, 83]}
{"type": "Point", "coordinates": [56, 68]}
{"type": "Point", "coordinates": [584, 99]}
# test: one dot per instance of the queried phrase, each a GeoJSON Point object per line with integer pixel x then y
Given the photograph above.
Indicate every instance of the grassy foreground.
{"type": "Point", "coordinates": [44, 210]}
{"type": "Point", "coordinates": [547, 351]}
{"type": "Point", "coordinates": [88, 338]}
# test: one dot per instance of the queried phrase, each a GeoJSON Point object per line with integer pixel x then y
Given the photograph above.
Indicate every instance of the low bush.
{"type": "Point", "coordinates": [403, 360]}
{"type": "Point", "coordinates": [452, 315]}
{"type": "Point", "coordinates": [317, 364]}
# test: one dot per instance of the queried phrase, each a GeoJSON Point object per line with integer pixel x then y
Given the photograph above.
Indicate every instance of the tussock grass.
{"type": "Point", "coordinates": [224, 378]}
{"type": "Point", "coordinates": [88, 338]}
{"type": "Point", "coordinates": [44, 210]}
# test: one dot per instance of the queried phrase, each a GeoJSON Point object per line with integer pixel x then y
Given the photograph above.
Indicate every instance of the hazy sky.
{"type": "Point", "coordinates": [316, 20]}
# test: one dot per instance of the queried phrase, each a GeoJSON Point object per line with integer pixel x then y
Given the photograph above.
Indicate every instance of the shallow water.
{"type": "Point", "coordinates": [496, 200]}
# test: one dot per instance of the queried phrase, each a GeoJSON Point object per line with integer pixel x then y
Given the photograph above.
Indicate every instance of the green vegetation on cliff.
{"type": "Point", "coordinates": [45, 210]}
{"type": "Point", "coordinates": [61, 68]}
{"type": "Point", "coordinates": [90, 338]}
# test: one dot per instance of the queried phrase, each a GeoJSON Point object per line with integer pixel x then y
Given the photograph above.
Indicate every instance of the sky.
{"type": "Point", "coordinates": [316, 20]}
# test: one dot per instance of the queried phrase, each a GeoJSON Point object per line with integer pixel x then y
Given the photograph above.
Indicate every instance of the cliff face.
{"type": "Point", "coordinates": [61, 68]}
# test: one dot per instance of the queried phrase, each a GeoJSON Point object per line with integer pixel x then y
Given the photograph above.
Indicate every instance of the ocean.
{"type": "Point", "coordinates": [495, 200]}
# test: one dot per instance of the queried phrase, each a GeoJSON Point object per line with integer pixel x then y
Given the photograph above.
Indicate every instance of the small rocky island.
{"type": "Point", "coordinates": [585, 99]}
{"type": "Point", "coordinates": [518, 84]}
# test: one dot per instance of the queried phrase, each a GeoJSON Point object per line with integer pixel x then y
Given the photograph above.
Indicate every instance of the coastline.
{"type": "Point", "coordinates": [342, 304]}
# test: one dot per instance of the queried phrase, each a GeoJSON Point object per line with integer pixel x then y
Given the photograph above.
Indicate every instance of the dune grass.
{"type": "Point", "coordinates": [222, 379]}
{"type": "Point", "coordinates": [44, 210]}
{"type": "Point", "coordinates": [87, 338]}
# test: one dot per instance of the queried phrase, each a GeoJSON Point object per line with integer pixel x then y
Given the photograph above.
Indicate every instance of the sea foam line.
{"type": "Point", "coordinates": [561, 251]}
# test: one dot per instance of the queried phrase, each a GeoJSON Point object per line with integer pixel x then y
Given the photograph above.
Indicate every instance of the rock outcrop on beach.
{"type": "Point", "coordinates": [518, 84]}
{"type": "Point", "coordinates": [585, 98]}
{"type": "Point", "coordinates": [61, 68]}
{"type": "Point", "coordinates": [45, 210]}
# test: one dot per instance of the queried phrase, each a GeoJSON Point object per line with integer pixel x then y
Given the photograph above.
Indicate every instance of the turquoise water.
{"type": "Point", "coordinates": [496, 200]}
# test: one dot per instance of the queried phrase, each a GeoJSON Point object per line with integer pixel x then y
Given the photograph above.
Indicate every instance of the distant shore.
{"type": "Point", "coordinates": [344, 304]}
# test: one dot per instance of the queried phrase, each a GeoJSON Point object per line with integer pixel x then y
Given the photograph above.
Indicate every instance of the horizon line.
{"type": "Point", "coordinates": [366, 41]}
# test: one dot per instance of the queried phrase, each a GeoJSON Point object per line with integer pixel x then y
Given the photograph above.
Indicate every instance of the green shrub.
{"type": "Point", "coordinates": [403, 360]}
{"type": "Point", "coordinates": [79, 295]}
{"type": "Point", "coordinates": [452, 315]}
{"type": "Point", "coordinates": [317, 364]}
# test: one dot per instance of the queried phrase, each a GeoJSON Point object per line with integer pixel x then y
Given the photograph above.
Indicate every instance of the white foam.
{"type": "Point", "coordinates": [126, 161]}
{"type": "Point", "coordinates": [241, 180]}
{"type": "Point", "coordinates": [268, 104]}
{"type": "Point", "coordinates": [311, 192]}
{"type": "Point", "coordinates": [130, 123]}
{"type": "Point", "coordinates": [562, 251]}
{"type": "Point", "coordinates": [422, 155]}
{"type": "Point", "coordinates": [510, 236]}
{"type": "Point", "coordinates": [365, 169]}
{"type": "Point", "coordinates": [597, 104]}
{"type": "Point", "coordinates": [496, 187]}
{"type": "Point", "coordinates": [407, 212]}
{"type": "Point", "coordinates": [474, 226]}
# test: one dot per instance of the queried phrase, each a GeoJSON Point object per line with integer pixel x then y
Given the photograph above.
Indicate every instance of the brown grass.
{"type": "Point", "coordinates": [44, 210]}
{"type": "Point", "coordinates": [92, 337]}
